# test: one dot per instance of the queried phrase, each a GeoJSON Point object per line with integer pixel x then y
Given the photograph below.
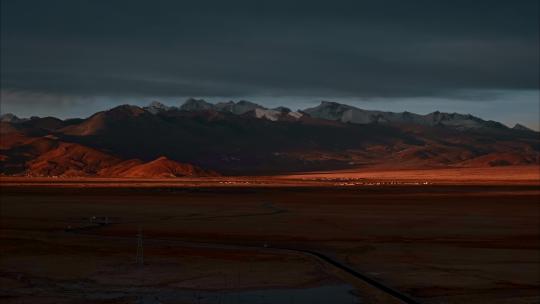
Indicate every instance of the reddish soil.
{"type": "Point", "coordinates": [474, 243]}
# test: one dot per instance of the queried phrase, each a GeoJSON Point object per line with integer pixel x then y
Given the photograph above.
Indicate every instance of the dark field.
{"type": "Point", "coordinates": [438, 244]}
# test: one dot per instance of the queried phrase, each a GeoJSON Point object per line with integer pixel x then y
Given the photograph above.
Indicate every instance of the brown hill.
{"type": "Point", "coordinates": [105, 119]}
{"type": "Point", "coordinates": [17, 148]}
{"type": "Point", "coordinates": [118, 169]}
{"type": "Point", "coordinates": [43, 123]}
{"type": "Point", "coordinates": [10, 136]}
{"type": "Point", "coordinates": [70, 159]}
{"type": "Point", "coordinates": [76, 160]}
{"type": "Point", "coordinates": [501, 159]}
{"type": "Point", "coordinates": [164, 168]}
{"type": "Point", "coordinates": [22, 152]}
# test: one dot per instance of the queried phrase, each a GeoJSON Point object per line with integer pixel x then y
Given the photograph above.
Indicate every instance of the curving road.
{"type": "Point", "coordinates": [385, 288]}
{"type": "Point", "coordinates": [319, 255]}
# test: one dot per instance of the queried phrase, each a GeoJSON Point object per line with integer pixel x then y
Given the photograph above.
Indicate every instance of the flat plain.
{"type": "Point", "coordinates": [243, 240]}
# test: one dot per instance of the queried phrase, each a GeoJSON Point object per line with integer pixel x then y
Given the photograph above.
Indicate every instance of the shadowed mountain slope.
{"type": "Point", "coordinates": [245, 138]}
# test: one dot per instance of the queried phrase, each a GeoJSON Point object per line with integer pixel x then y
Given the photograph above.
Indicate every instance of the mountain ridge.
{"type": "Point", "coordinates": [245, 138]}
{"type": "Point", "coordinates": [326, 110]}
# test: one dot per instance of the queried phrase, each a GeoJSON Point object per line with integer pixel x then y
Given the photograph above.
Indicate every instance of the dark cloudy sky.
{"type": "Point", "coordinates": [73, 57]}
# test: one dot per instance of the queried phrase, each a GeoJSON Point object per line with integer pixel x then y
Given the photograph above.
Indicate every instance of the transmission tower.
{"type": "Point", "coordinates": [140, 252]}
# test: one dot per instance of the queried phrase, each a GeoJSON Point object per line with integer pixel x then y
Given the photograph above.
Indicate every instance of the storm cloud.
{"type": "Point", "coordinates": [338, 49]}
{"type": "Point", "coordinates": [222, 48]}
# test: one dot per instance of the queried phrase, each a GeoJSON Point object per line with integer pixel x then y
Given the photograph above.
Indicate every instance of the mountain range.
{"type": "Point", "coordinates": [199, 138]}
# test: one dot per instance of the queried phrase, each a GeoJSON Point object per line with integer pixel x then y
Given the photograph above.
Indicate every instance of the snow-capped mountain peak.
{"type": "Point", "coordinates": [521, 127]}
{"type": "Point", "coordinates": [329, 110]}
{"type": "Point", "coordinates": [156, 107]}
{"type": "Point", "coordinates": [240, 107]}
{"type": "Point", "coordinates": [269, 114]}
{"type": "Point", "coordinates": [345, 113]}
{"type": "Point", "coordinates": [12, 118]}
{"type": "Point", "coordinates": [193, 104]}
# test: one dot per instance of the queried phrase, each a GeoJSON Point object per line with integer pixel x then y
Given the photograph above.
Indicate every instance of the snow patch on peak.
{"type": "Point", "coordinates": [295, 115]}
{"type": "Point", "coordinates": [12, 118]}
{"type": "Point", "coordinates": [269, 114]}
{"type": "Point", "coordinates": [156, 107]}
{"type": "Point", "coordinates": [277, 114]}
